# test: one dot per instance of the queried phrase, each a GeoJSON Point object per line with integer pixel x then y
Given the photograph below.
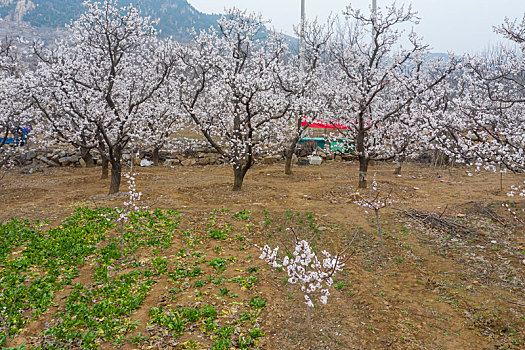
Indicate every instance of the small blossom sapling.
{"type": "Point", "coordinates": [514, 214]}
{"type": "Point", "coordinates": [130, 205]}
{"type": "Point", "coordinates": [304, 267]}
{"type": "Point", "coordinates": [376, 202]}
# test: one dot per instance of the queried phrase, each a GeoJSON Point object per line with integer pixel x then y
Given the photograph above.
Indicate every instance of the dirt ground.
{"type": "Point", "coordinates": [430, 289]}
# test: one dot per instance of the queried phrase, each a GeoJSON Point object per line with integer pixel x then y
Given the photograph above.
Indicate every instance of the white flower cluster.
{"type": "Point", "coordinates": [514, 214]}
{"type": "Point", "coordinates": [306, 269]}
{"type": "Point", "coordinates": [133, 198]}
{"type": "Point", "coordinates": [517, 190]}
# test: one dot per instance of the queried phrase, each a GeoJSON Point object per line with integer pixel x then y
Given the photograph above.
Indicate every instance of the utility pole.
{"type": "Point", "coordinates": [303, 21]}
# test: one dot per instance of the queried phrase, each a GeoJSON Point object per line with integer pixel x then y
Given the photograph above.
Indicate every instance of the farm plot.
{"type": "Point", "coordinates": [451, 276]}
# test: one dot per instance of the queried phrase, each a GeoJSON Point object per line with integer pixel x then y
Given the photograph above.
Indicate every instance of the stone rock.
{"type": "Point", "coordinates": [212, 158]}
{"type": "Point", "coordinates": [201, 155]}
{"type": "Point", "coordinates": [74, 158]}
{"type": "Point", "coordinates": [188, 162]}
{"type": "Point", "coordinates": [64, 161]}
{"type": "Point", "coordinates": [35, 170]}
{"type": "Point", "coordinates": [303, 162]}
{"type": "Point", "coordinates": [338, 158]}
{"type": "Point", "coordinates": [269, 160]}
{"type": "Point", "coordinates": [45, 160]}
{"type": "Point", "coordinates": [126, 157]}
{"type": "Point", "coordinates": [322, 155]}
{"type": "Point", "coordinates": [315, 160]}
{"type": "Point", "coordinates": [171, 162]}
{"type": "Point", "coordinates": [31, 170]}
{"type": "Point", "coordinates": [203, 161]}
{"type": "Point", "coordinates": [30, 155]}
{"type": "Point", "coordinates": [329, 157]}
{"type": "Point", "coordinates": [145, 163]}
{"type": "Point", "coordinates": [82, 163]}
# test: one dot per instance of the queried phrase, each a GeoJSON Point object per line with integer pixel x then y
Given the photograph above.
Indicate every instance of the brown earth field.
{"type": "Point", "coordinates": [451, 275]}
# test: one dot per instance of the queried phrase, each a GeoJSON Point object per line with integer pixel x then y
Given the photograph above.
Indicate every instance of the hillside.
{"type": "Point", "coordinates": [177, 17]}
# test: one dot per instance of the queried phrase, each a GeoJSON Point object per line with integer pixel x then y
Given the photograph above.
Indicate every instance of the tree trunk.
{"type": "Point", "coordinates": [288, 166]}
{"type": "Point", "coordinates": [399, 166]}
{"type": "Point", "coordinates": [364, 159]}
{"type": "Point", "coordinates": [363, 170]}
{"type": "Point", "coordinates": [239, 172]}
{"type": "Point", "coordinates": [289, 154]}
{"type": "Point", "coordinates": [105, 168]}
{"type": "Point", "coordinates": [85, 153]}
{"type": "Point", "coordinates": [116, 173]}
{"type": "Point", "coordinates": [155, 156]}
{"type": "Point", "coordinates": [238, 178]}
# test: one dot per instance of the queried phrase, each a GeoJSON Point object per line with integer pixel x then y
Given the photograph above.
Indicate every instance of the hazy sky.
{"type": "Point", "coordinates": [447, 25]}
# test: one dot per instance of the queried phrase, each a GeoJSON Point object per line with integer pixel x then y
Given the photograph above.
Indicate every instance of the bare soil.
{"type": "Point", "coordinates": [430, 289]}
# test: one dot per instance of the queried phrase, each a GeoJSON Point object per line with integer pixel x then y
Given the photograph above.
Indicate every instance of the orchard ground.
{"type": "Point", "coordinates": [431, 289]}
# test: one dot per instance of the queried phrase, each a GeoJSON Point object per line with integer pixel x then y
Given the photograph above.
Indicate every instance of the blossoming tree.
{"type": "Point", "coordinates": [484, 121]}
{"type": "Point", "coordinates": [374, 80]}
{"type": "Point", "coordinates": [13, 102]}
{"type": "Point", "coordinates": [300, 77]}
{"type": "Point", "coordinates": [104, 76]}
{"type": "Point", "coordinates": [228, 88]}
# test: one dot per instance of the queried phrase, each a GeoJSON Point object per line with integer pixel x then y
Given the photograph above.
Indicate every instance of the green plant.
{"type": "Point", "coordinates": [340, 285]}
{"type": "Point", "coordinates": [219, 264]}
{"type": "Point", "coordinates": [177, 320]}
{"type": "Point", "coordinates": [267, 220]}
{"type": "Point", "coordinates": [256, 333]}
{"type": "Point", "coordinates": [219, 280]}
{"type": "Point", "coordinates": [227, 292]}
{"type": "Point", "coordinates": [160, 265]}
{"type": "Point", "coordinates": [246, 282]}
{"type": "Point", "coordinates": [101, 312]}
{"type": "Point", "coordinates": [257, 303]}
{"type": "Point", "coordinates": [220, 234]}
{"type": "Point", "coordinates": [200, 283]}
{"type": "Point", "coordinates": [243, 215]}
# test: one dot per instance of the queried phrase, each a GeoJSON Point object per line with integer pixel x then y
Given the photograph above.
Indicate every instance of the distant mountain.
{"type": "Point", "coordinates": [176, 17]}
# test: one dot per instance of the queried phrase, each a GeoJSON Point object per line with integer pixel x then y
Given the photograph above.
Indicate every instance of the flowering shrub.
{"type": "Point", "coordinates": [304, 267]}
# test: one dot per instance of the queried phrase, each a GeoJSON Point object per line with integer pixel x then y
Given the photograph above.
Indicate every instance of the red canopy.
{"type": "Point", "coordinates": [321, 125]}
